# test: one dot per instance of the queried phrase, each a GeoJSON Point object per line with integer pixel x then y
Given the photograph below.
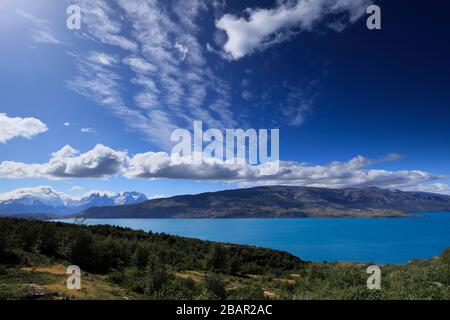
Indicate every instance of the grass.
{"type": "Point", "coordinates": [422, 279]}
{"type": "Point", "coordinates": [49, 282]}
{"type": "Point", "coordinates": [120, 263]}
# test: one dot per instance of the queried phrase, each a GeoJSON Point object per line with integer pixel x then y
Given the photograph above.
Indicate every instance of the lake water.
{"type": "Point", "coordinates": [379, 240]}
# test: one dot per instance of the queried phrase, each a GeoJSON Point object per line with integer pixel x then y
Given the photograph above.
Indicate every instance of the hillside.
{"type": "Point", "coordinates": [119, 263]}
{"type": "Point", "coordinates": [282, 201]}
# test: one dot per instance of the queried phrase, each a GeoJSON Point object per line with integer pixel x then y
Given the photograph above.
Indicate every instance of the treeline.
{"type": "Point", "coordinates": [102, 249]}
{"type": "Point", "coordinates": [160, 266]}
{"type": "Point", "coordinates": [141, 261]}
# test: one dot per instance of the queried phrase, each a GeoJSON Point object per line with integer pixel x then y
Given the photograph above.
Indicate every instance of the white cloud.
{"type": "Point", "coordinates": [157, 196]}
{"type": "Point", "coordinates": [167, 63]}
{"type": "Point", "coordinates": [99, 162]}
{"type": "Point", "coordinates": [265, 27]}
{"type": "Point", "coordinates": [42, 30]}
{"type": "Point", "coordinates": [441, 188]}
{"type": "Point", "coordinates": [102, 58]}
{"type": "Point", "coordinates": [182, 49]}
{"type": "Point", "coordinates": [77, 188]}
{"type": "Point", "coordinates": [19, 127]}
{"type": "Point", "coordinates": [103, 161]}
{"type": "Point", "coordinates": [139, 65]}
{"type": "Point", "coordinates": [354, 173]}
{"type": "Point", "coordinates": [99, 83]}
{"type": "Point", "coordinates": [97, 17]}
{"type": "Point", "coordinates": [88, 130]}
{"type": "Point", "coordinates": [67, 124]}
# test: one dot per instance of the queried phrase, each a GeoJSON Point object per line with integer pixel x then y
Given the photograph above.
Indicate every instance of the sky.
{"type": "Point", "coordinates": [94, 108]}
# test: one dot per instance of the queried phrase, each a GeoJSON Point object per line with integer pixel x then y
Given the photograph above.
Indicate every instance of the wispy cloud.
{"type": "Point", "coordinates": [77, 188]}
{"type": "Point", "coordinates": [88, 130]}
{"type": "Point", "coordinates": [102, 58]}
{"type": "Point", "coordinates": [173, 83]}
{"type": "Point", "coordinates": [42, 30]}
{"type": "Point", "coordinates": [97, 17]}
{"type": "Point", "coordinates": [139, 65]}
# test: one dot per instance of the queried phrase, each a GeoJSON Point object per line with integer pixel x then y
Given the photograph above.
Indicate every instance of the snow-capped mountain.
{"type": "Point", "coordinates": [97, 198]}
{"type": "Point", "coordinates": [45, 199]}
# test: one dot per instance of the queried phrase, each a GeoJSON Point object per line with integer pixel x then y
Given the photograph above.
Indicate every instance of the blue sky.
{"type": "Point", "coordinates": [355, 107]}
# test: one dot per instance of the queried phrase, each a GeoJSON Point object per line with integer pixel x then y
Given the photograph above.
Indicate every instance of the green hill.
{"type": "Point", "coordinates": [120, 263]}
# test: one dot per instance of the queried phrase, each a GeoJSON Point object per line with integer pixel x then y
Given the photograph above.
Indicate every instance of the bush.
{"type": "Point", "coordinates": [247, 293]}
{"type": "Point", "coordinates": [214, 287]}
{"type": "Point", "coordinates": [131, 278]}
{"type": "Point", "coordinates": [178, 289]}
{"type": "Point", "coordinates": [216, 259]}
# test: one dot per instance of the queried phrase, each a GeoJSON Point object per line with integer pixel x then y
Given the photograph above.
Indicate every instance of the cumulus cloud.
{"type": "Point", "coordinates": [103, 161]}
{"type": "Point", "coordinates": [353, 173]}
{"type": "Point", "coordinates": [99, 162]}
{"type": "Point", "coordinates": [19, 127]}
{"type": "Point", "coordinates": [265, 27]}
{"type": "Point", "coordinates": [441, 188]}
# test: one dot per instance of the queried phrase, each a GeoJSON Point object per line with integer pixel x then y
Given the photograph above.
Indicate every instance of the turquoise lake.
{"type": "Point", "coordinates": [379, 240]}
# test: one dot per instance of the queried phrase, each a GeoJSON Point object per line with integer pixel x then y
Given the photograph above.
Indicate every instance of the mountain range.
{"type": "Point", "coordinates": [46, 200]}
{"type": "Point", "coordinates": [281, 202]}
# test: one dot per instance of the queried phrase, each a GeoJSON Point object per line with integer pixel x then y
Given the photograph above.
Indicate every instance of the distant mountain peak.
{"type": "Point", "coordinates": [282, 201]}
{"type": "Point", "coordinates": [45, 199]}
{"type": "Point", "coordinates": [99, 193]}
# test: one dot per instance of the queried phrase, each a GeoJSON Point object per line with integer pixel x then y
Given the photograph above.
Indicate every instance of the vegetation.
{"type": "Point", "coordinates": [119, 263]}
{"type": "Point", "coordinates": [282, 202]}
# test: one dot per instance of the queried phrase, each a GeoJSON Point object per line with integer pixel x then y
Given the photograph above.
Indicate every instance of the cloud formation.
{"type": "Point", "coordinates": [158, 51]}
{"type": "Point", "coordinates": [353, 173]}
{"type": "Point", "coordinates": [19, 127]}
{"type": "Point", "coordinates": [265, 27]}
{"type": "Point", "coordinates": [88, 130]}
{"type": "Point", "coordinates": [99, 162]}
{"type": "Point", "coordinates": [437, 187]}
{"type": "Point", "coordinates": [103, 28]}
{"type": "Point", "coordinates": [103, 161]}
{"type": "Point", "coordinates": [42, 29]}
